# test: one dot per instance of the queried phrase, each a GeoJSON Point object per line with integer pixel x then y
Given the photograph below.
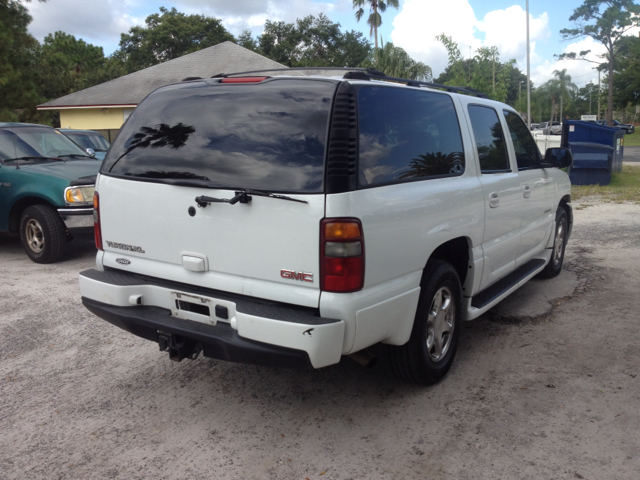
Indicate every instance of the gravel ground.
{"type": "Point", "coordinates": [551, 395]}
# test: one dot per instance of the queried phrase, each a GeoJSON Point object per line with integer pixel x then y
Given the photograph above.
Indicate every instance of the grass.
{"type": "Point", "coordinates": [624, 186]}
{"type": "Point", "coordinates": [632, 139]}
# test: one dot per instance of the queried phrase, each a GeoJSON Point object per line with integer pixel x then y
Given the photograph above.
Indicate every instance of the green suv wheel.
{"type": "Point", "coordinates": [42, 233]}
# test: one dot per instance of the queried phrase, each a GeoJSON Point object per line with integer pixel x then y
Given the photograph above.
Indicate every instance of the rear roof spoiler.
{"type": "Point", "coordinates": [365, 74]}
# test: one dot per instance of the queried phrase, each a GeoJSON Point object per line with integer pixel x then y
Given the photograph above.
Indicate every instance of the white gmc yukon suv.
{"type": "Point", "coordinates": [291, 220]}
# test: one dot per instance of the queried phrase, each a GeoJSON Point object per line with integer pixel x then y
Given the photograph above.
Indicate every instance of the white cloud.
{"type": "Point", "coordinates": [419, 22]}
{"type": "Point", "coordinates": [505, 29]}
{"type": "Point", "coordinates": [101, 22]}
{"type": "Point", "coordinates": [581, 71]}
{"type": "Point", "coordinates": [252, 14]}
{"type": "Point", "coordinates": [98, 23]}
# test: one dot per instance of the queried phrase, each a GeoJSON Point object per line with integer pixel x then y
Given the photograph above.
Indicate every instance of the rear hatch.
{"type": "Point", "coordinates": [186, 151]}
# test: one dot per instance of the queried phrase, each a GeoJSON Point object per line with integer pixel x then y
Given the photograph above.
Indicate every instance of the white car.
{"type": "Point", "coordinates": [291, 221]}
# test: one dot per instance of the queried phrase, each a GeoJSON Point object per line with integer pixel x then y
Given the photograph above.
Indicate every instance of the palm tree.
{"type": "Point", "coordinates": [375, 19]}
{"type": "Point", "coordinates": [396, 62]}
{"type": "Point", "coordinates": [565, 87]}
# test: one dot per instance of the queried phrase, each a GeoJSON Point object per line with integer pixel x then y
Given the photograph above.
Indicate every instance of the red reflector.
{"type": "Point", "coordinates": [244, 80]}
{"type": "Point", "coordinates": [97, 231]}
{"type": "Point", "coordinates": [343, 274]}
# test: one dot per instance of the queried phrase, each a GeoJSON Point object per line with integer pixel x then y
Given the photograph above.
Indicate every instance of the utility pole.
{"type": "Point", "coordinates": [520, 97]}
{"type": "Point", "coordinates": [598, 95]}
{"type": "Point", "coordinates": [528, 72]}
{"type": "Point", "coordinates": [494, 71]}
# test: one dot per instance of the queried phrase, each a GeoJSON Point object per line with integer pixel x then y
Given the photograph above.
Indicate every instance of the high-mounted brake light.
{"type": "Point", "coordinates": [243, 80]}
{"type": "Point", "coordinates": [341, 255]}
{"type": "Point", "coordinates": [97, 231]}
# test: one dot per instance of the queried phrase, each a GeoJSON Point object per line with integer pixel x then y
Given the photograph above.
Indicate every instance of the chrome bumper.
{"type": "Point", "coordinates": [77, 217]}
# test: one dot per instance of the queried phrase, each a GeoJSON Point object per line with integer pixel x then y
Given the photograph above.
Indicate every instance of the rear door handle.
{"type": "Point", "coordinates": [494, 199]}
{"type": "Point", "coordinates": [526, 191]}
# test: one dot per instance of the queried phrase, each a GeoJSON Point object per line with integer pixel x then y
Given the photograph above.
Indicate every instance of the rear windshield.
{"type": "Point", "coordinates": [36, 141]}
{"type": "Point", "coordinates": [268, 136]}
{"type": "Point", "coordinates": [89, 140]}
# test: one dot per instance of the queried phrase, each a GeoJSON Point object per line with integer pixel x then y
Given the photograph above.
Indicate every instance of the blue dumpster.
{"type": "Point", "coordinates": [597, 151]}
{"type": "Point", "coordinates": [592, 163]}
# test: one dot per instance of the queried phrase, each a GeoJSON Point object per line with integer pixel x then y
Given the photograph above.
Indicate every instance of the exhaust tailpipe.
{"type": "Point", "coordinates": [364, 358]}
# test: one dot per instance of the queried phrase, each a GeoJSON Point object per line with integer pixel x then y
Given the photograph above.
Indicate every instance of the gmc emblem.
{"type": "Point", "coordinates": [303, 277]}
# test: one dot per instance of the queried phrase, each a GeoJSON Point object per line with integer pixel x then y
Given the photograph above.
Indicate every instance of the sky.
{"type": "Point", "coordinates": [413, 26]}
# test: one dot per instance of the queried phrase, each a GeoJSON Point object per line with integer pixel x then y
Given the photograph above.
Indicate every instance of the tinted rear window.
{"type": "Point", "coordinates": [269, 135]}
{"type": "Point", "coordinates": [407, 135]}
{"type": "Point", "coordinates": [487, 130]}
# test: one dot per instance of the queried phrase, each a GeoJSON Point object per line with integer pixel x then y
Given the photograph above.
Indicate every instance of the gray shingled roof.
{"type": "Point", "coordinates": [226, 57]}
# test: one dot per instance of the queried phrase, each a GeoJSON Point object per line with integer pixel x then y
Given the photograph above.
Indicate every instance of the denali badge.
{"type": "Point", "coordinates": [123, 246]}
{"type": "Point", "coordinates": [303, 277]}
{"type": "Point", "coordinates": [123, 261]}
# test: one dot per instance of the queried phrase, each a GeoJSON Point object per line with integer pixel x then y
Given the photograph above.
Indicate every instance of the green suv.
{"type": "Point", "coordinates": [46, 188]}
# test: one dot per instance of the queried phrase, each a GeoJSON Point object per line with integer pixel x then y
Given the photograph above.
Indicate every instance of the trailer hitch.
{"type": "Point", "coordinates": [179, 347]}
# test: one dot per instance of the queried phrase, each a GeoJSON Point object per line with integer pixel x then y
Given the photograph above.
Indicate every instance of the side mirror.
{"type": "Point", "coordinates": [91, 152]}
{"type": "Point", "coordinates": [558, 157]}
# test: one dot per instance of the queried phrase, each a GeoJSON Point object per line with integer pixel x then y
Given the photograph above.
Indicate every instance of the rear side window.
{"type": "Point", "coordinates": [490, 142]}
{"type": "Point", "coordinates": [527, 152]}
{"type": "Point", "coordinates": [406, 135]}
{"type": "Point", "coordinates": [269, 136]}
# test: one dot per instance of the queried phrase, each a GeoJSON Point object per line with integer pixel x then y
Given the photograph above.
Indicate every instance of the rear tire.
{"type": "Point", "coordinates": [426, 358]}
{"type": "Point", "coordinates": [554, 267]}
{"type": "Point", "coordinates": [42, 233]}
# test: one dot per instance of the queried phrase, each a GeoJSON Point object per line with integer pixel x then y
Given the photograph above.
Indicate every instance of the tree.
{"type": "Point", "coordinates": [247, 41]}
{"type": "Point", "coordinates": [566, 88]}
{"type": "Point", "coordinates": [516, 86]}
{"type": "Point", "coordinates": [66, 64]}
{"type": "Point", "coordinates": [168, 35]}
{"type": "Point", "coordinates": [626, 84]}
{"type": "Point", "coordinates": [396, 62]}
{"type": "Point", "coordinates": [375, 19]}
{"type": "Point", "coordinates": [354, 48]}
{"type": "Point", "coordinates": [279, 42]}
{"type": "Point", "coordinates": [556, 91]}
{"type": "Point", "coordinates": [455, 73]}
{"type": "Point", "coordinates": [312, 42]}
{"type": "Point", "coordinates": [605, 21]}
{"type": "Point", "coordinates": [583, 101]}
{"type": "Point", "coordinates": [539, 104]}
{"type": "Point", "coordinates": [18, 95]}
{"type": "Point", "coordinates": [484, 72]}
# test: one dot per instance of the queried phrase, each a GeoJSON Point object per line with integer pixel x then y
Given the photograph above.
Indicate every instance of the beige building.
{"type": "Point", "coordinates": [105, 107]}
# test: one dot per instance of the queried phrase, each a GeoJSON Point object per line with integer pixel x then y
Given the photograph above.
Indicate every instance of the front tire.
{"type": "Point", "coordinates": [42, 233]}
{"type": "Point", "coordinates": [426, 358]}
{"type": "Point", "coordinates": [554, 267]}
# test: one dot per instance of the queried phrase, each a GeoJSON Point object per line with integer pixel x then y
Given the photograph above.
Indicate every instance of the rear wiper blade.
{"type": "Point", "coordinates": [243, 196]}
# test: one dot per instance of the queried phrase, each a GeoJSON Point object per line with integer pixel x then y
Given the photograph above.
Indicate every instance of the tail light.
{"type": "Point", "coordinates": [97, 231]}
{"type": "Point", "coordinates": [243, 80]}
{"type": "Point", "coordinates": [341, 255]}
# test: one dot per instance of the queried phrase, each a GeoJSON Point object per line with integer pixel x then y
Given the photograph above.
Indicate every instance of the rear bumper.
{"type": "Point", "coordinates": [254, 331]}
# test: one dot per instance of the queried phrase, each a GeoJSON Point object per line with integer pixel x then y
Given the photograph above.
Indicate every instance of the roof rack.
{"type": "Point", "coordinates": [358, 73]}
